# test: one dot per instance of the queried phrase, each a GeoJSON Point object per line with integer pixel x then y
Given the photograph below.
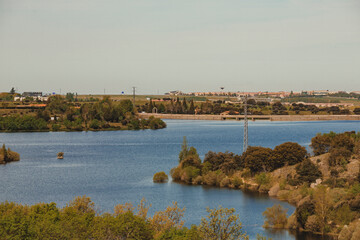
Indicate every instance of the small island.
{"type": "Point", "coordinates": [160, 177]}
{"type": "Point", "coordinates": [60, 155]}
{"type": "Point", "coordinates": [6, 155]}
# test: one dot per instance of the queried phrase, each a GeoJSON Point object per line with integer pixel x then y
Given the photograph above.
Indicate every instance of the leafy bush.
{"type": "Point", "coordinates": [262, 179]}
{"type": "Point", "coordinates": [160, 177]}
{"type": "Point", "coordinates": [188, 174]}
{"type": "Point", "coordinates": [210, 178]}
{"type": "Point", "coordinates": [95, 124]}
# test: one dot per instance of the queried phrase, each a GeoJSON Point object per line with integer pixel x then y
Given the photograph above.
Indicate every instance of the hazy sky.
{"type": "Point", "coordinates": [85, 46]}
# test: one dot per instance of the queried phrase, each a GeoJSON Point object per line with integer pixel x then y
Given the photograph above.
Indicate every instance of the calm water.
{"type": "Point", "coordinates": [117, 167]}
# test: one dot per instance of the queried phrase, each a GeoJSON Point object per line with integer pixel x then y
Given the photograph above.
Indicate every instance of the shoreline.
{"type": "Point", "coordinates": [306, 118]}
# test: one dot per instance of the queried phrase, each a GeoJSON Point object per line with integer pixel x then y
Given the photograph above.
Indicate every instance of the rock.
{"type": "Point", "coordinates": [317, 182]}
{"type": "Point", "coordinates": [274, 190]}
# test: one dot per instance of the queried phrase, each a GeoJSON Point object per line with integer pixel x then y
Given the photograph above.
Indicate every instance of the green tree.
{"type": "Point", "coordinates": [12, 91]}
{"type": "Point", "coordinates": [290, 153]}
{"type": "Point", "coordinates": [256, 159]}
{"type": "Point", "coordinates": [184, 106]}
{"type": "Point", "coordinates": [320, 144]}
{"type": "Point", "coordinates": [192, 107]}
{"type": "Point", "coordinates": [275, 217]}
{"type": "Point", "coordinates": [184, 150]}
{"type": "Point", "coordinates": [322, 204]}
{"type": "Point", "coordinates": [307, 171]}
{"type": "Point", "coordinates": [221, 224]}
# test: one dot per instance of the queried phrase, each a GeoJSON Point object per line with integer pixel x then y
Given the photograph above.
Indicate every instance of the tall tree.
{"type": "Point", "coordinates": [184, 106]}
{"type": "Point", "coordinates": [184, 150]}
{"type": "Point", "coordinates": [192, 107]}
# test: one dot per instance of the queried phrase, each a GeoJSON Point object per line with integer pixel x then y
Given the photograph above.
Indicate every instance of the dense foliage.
{"type": "Point", "coordinates": [63, 114]}
{"type": "Point", "coordinates": [188, 106]}
{"type": "Point", "coordinates": [160, 177]}
{"type": "Point", "coordinates": [325, 187]}
{"type": "Point", "coordinates": [79, 219]}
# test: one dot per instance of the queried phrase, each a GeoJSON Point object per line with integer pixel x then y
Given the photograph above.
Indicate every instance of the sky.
{"type": "Point", "coordinates": [92, 46]}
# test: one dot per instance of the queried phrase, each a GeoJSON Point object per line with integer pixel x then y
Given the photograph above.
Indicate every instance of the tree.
{"type": "Point", "coordinates": [184, 150]}
{"type": "Point", "coordinates": [275, 217]}
{"type": "Point", "coordinates": [343, 140]}
{"type": "Point", "coordinates": [320, 144]}
{"type": "Point", "coordinates": [221, 224]}
{"type": "Point", "coordinates": [160, 177]}
{"type": "Point", "coordinates": [171, 217]}
{"type": "Point", "coordinates": [307, 171]}
{"type": "Point", "coordinates": [322, 204]}
{"type": "Point", "coordinates": [290, 153]}
{"type": "Point", "coordinates": [192, 107]}
{"type": "Point", "coordinates": [256, 159]}
{"type": "Point", "coordinates": [12, 91]}
{"type": "Point", "coordinates": [339, 156]}
{"type": "Point", "coordinates": [184, 106]}
{"type": "Point", "coordinates": [70, 97]}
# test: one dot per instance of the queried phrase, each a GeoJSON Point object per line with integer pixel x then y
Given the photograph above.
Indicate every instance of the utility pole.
{"type": "Point", "coordinates": [245, 145]}
{"type": "Point", "coordinates": [134, 96]}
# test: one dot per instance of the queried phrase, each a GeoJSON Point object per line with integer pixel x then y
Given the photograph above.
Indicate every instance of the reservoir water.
{"type": "Point", "coordinates": [114, 167]}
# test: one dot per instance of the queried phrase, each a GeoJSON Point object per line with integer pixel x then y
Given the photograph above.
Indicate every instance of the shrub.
{"type": "Point", "coordinates": [198, 180]}
{"type": "Point", "coordinates": [95, 124]}
{"type": "Point", "coordinates": [13, 156]}
{"type": "Point", "coordinates": [55, 127]}
{"type": "Point", "coordinates": [210, 178]}
{"type": "Point", "coordinates": [262, 179]}
{"type": "Point", "coordinates": [189, 173]}
{"type": "Point", "coordinates": [176, 174]}
{"type": "Point", "coordinates": [236, 182]}
{"type": "Point", "coordinates": [160, 177]}
{"type": "Point", "coordinates": [225, 182]}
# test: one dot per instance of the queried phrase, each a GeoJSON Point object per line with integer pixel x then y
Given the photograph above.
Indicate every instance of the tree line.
{"type": "Point", "coordinates": [80, 219]}
{"type": "Point", "coordinates": [177, 106]}
{"type": "Point", "coordinates": [60, 114]}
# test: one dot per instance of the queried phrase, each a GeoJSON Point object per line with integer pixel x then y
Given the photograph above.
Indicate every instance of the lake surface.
{"type": "Point", "coordinates": [115, 167]}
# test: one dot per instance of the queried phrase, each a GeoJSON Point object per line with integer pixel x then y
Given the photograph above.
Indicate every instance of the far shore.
{"type": "Point", "coordinates": [253, 117]}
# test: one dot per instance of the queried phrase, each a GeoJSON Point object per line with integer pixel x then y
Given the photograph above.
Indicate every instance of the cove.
{"type": "Point", "coordinates": [115, 167]}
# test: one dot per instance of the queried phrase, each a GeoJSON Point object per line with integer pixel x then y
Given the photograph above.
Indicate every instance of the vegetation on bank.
{"type": "Point", "coordinates": [325, 187]}
{"type": "Point", "coordinates": [80, 219]}
{"type": "Point", "coordinates": [6, 155]}
{"type": "Point", "coordinates": [62, 115]}
{"type": "Point", "coordinates": [177, 106]}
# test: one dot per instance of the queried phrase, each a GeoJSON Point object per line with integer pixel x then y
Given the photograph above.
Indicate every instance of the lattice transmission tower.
{"type": "Point", "coordinates": [245, 144]}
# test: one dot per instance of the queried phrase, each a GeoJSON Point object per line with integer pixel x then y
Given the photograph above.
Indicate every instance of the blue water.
{"type": "Point", "coordinates": [117, 166]}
